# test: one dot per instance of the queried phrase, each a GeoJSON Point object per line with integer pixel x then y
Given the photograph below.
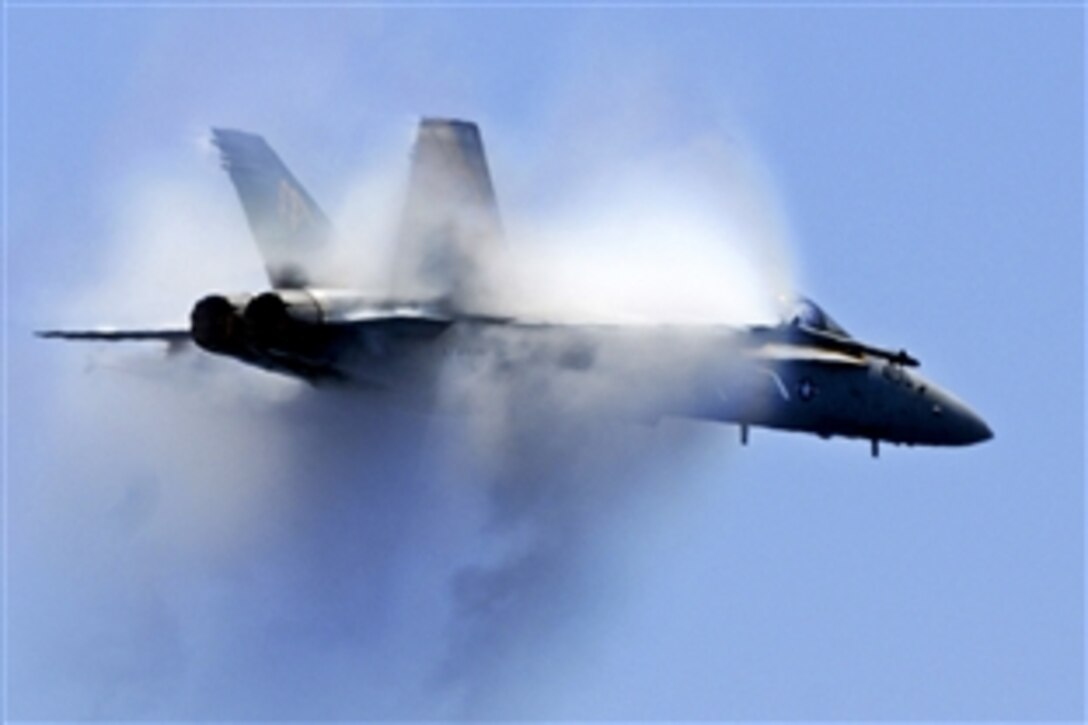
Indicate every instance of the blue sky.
{"type": "Point", "coordinates": [929, 166]}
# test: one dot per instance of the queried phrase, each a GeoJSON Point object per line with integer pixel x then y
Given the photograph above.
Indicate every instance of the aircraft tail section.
{"type": "Point", "coordinates": [451, 224]}
{"type": "Point", "coordinates": [287, 223]}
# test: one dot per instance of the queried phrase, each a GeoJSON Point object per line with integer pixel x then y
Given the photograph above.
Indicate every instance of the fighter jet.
{"type": "Point", "coordinates": [440, 312]}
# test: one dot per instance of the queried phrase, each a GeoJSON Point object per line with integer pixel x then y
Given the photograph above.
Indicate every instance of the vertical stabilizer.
{"type": "Point", "coordinates": [290, 228]}
{"type": "Point", "coordinates": [450, 229]}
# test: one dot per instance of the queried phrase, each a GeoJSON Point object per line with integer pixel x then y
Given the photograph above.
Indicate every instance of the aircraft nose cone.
{"type": "Point", "coordinates": [975, 429]}
{"type": "Point", "coordinates": [947, 420]}
{"type": "Point", "coordinates": [965, 425]}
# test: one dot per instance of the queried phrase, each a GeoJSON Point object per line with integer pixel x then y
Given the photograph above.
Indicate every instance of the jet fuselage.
{"type": "Point", "coordinates": [788, 377]}
{"type": "Point", "coordinates": [424, 342]}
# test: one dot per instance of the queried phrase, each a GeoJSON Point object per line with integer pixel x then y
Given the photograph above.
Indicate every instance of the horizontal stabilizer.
{"type": "Point", "coordinates": [176, 339]}
{"type": "Point", "coordinates": [110, 334]}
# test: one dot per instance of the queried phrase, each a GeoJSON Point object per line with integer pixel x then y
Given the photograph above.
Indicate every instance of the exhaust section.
{"type": "Point", "coordinates": [217, 325]}
{"type": "Point", "coordinates": [275, 313]}
{"type": "Point", "coordinates": [284, 330]}
{"type": "Point", "coordinates": [231, 324]}
{"type": "Point", "coordinates": [274, 319]}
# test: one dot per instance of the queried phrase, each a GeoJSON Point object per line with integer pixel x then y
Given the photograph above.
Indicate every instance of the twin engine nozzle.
{"type": "Point", "coordinates": [240, 324]}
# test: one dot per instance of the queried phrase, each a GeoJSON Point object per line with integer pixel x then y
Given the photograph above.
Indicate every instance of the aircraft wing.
{"type": "Point", "coordinates": [450, 227]}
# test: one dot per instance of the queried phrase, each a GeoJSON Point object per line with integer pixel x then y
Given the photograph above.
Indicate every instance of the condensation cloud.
{"type": "Point", "coordinates": [218, 542]}
{"type": "Point", "coordinates": [211, 541]}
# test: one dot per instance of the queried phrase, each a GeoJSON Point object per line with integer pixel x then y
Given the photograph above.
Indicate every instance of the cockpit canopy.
{"type": "Point", "coordinates": [805, 313]}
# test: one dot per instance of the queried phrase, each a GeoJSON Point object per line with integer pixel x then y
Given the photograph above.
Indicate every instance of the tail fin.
{"type": "Point", "coordinates": [451, 222]}
{"type": "Point", "coordinates": [287, 223]}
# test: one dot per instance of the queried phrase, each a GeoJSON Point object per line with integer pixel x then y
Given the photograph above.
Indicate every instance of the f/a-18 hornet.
{"type": "Point", "coordinates": [439, 312]}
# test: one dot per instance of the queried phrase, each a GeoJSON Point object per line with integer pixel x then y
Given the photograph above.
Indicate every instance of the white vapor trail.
{"type": "Point", "coordinates": [215, 542]}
